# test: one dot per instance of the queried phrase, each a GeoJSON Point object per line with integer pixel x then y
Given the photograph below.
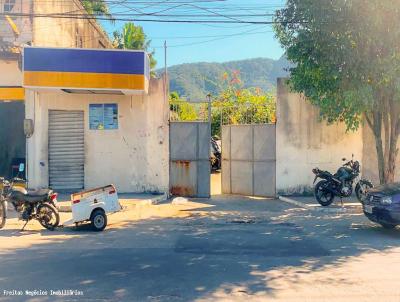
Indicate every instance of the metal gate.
{"type": "Point", "coordinates": [190, 159]}
{"type": "Point", "coordinates": [249, 160]}
{"type": "Point", "coordinates": [66, 150]}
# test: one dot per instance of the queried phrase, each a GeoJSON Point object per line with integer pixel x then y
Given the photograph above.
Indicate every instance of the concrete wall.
{"type": "Point", "coordinates": [10, 74]}
{"type": "Point", "coordinates": [66, 32]}
{"type": "Point", "coordinates": [135, 157]}
{"type": "Point", "coordinates": [303, 142]}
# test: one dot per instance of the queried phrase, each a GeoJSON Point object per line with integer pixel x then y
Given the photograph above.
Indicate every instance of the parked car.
{"type": "Point", "coordinates": [382, 205]}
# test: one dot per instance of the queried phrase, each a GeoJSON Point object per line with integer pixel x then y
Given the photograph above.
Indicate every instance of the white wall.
{"type": "Point", "coordinates": [10, 74]}
{"type": "Point", "coordinates": [304, 142]}
{"type": "Point", "coordinates": [135, 157]}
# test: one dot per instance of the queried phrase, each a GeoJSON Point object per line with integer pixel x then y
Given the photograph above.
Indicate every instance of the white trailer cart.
{"type": "Point", "coordinates": [94, 205]}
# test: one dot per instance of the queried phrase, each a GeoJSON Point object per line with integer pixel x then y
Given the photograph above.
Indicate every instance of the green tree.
{"type": "Point", "coordinates": [133, 37]}
{"type": "Point", "coordinates": [237, 105]}
{"type": "Point", "coordinates": [347, 56]}
{"type": "Point", "coordinates": [97, 8]}
{"type": "Point", "coordinates": [181, 110]}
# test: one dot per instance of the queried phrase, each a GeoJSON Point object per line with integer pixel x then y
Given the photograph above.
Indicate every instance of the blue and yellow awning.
{"type": "Point", "coordinates": [12, 93]}
{"type": "Point", "coordinates": [86, 69]}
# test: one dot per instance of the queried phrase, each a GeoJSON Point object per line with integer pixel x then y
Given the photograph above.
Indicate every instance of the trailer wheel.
{"type": "Point", "coordinates": [98, 220]}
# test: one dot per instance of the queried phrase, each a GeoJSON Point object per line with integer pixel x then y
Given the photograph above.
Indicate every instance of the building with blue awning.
{"type": "Point", "coordinates": [95, 117]}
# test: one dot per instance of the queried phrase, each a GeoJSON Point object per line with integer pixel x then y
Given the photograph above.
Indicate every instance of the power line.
{"type": "Point", "coordinates": [89, 17]}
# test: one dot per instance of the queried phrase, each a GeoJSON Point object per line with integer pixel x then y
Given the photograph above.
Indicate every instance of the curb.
{"type": "Point", "coordinates": [316, 209]}
{"type": "Point", "coordinates": [66, 208]}
{"type": "Point", "coordinates": [295, 202]}
{"type": "Point", "coordinates": [158, 199]}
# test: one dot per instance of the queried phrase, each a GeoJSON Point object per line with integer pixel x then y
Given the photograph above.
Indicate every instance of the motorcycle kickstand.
{"type": "Point", "coordinates": [24, 225]}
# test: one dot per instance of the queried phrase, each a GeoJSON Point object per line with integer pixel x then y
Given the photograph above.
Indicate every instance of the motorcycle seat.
{"type": "Point", "coordinates": [37, 195]}
{"type": "Point", "coordinates": [39, 192]}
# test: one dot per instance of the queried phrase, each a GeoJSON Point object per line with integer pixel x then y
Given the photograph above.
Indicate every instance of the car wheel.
{"type": "Point", "coordinates": [388, 226]}
{"type": "Point", "coordinates": [98, 220]}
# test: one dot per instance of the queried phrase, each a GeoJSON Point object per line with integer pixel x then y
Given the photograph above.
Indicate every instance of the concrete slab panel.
{"type": "Point", "coordinates": [204, 135]}
{"type": "Point", "coordinates": [249, 167]}
{"type": "Point", "coordinates": [226, 142]}
{"type": "Point", "coordinates": [183, 141]}
{"type": "Point", "coordinates": [190, 164]}
{"type": "Point", "coordinates": [241, 142]}
{"type": "Point", "coordinates": [226, 177]}
{"type": "Point", "coordinates": [242, 177]}
{"type": "Point", "coordinates": [264, 179]}
{"type": "Point", "coordinates": [203, 178]}
{"type": "Point", "coordinates": [264, 142]}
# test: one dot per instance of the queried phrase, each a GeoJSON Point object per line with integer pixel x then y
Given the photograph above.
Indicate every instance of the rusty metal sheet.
{"type": "Point", "coordinates": [184, 176]}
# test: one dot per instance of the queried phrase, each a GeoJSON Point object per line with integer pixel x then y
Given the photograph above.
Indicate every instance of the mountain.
{"type": "Point", "coordinates": [196, 80]}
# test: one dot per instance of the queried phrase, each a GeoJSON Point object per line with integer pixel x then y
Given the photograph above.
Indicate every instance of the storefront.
{"type": "Point", "coordinates": [96, 118]}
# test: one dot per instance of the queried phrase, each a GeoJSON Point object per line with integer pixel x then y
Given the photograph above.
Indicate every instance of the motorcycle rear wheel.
{"type": "Point", "coordinates": [2, 214]}
{"type": "Point", "coordinates": [48, 216]}
{"type": "Point", "coordinates": [324, 197]}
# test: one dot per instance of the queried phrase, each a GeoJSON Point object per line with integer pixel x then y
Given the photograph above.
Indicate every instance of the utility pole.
{"type": "Point", "coordinates": [165, 67]}
{"type": "Point", "coordinates": [166, 97]}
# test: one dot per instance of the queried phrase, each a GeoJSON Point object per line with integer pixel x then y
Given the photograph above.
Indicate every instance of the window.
{"type": "Point", "coordinates": [103, 116]}
{"type": "Point", "coordinates": [8, 5]}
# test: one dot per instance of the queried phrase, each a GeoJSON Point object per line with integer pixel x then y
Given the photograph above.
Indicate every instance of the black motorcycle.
{"type": "Point", "coordinates": [39, 205]}
{"type": "Point", "coordinates": [341, 183]}
{"type": "Point", "coordinates": [216, 155]}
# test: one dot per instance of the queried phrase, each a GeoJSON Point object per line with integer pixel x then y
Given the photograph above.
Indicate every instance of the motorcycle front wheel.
{"type": "Point", "coordinates": [3, 214]}
{"type": "Point", "coordinates": [324, 197]}
{"type": "Point", "coordinates": [48, 216]}
{"type": "Point", "coordinates": [362, 190]}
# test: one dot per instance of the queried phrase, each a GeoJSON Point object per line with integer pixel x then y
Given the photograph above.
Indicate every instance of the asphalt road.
{"type": "Point", "coordinates": [226, 249]}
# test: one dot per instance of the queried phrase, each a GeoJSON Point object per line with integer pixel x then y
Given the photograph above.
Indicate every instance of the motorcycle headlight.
{"type": "Point", "coordinates": [386, 200]}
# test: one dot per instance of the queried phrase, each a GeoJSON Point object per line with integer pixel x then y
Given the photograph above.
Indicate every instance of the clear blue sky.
{"type": "Point", "coordinates": [207, 42]}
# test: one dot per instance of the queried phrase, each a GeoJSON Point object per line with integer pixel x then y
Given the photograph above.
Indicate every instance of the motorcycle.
{"type": "Point", "coordinates": [39, 204]}
{"type": "Point", "coordinates": [216, 154]}
{"type": "Point", "coordinates": [341, 183]}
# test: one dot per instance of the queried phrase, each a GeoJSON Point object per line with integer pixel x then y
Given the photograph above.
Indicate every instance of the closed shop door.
{"type": "Point", "coordinates": [66, 150]}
